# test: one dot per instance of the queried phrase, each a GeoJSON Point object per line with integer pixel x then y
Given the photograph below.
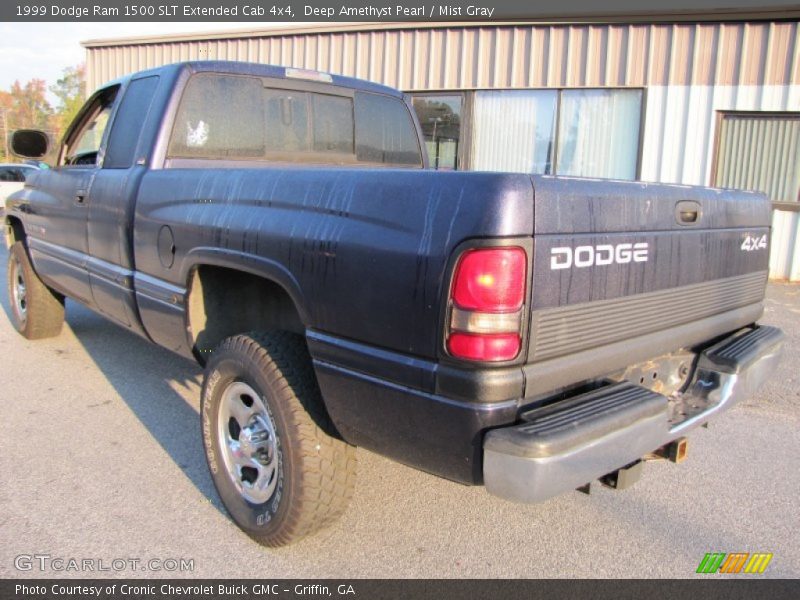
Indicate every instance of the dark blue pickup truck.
{"type": "Point", "coordinates": [281, 227]}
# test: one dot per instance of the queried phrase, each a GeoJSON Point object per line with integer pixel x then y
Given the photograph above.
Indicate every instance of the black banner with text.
{"type": "Point", "coordinates": [254, 11]}
{"type": "Point", "coordinates": [377, 589]}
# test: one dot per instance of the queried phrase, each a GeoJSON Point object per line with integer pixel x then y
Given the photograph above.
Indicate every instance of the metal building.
{"type": "Point", "coordinates": [708, 103]}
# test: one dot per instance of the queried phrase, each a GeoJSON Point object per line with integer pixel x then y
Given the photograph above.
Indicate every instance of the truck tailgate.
{"type": "Point", "coordinates": [614, 261]}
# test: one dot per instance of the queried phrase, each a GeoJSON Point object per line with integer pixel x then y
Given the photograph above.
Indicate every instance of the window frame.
{"type": "Point", "coordinates": [121, 94]}
{"type": "Point", "coordinates": [463, 154]}
{"type": "Point", "coordinates": [412, 118]}
{"type": "Point", "coordinates": [640, 138]}
{"type": "Point", "coordinates": [90, 111]}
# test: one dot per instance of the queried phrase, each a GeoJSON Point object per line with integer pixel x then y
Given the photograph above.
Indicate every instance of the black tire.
{"type": "Point", "coordinates": [315, 474]}
{"type": "Point", "coordinates": [37, 312]}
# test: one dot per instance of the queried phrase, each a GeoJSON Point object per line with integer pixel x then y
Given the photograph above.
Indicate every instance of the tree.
{"type": "Point", "coordinates": [6, 104]}
{"type": "Point", "coordinates": [30, 106]}
{"type": "Point", "coordinates": [71, 92]}
{"type": "Point", "coordinates": [26, 107]}
{"type": "Point", "coordinates": [432, 112]}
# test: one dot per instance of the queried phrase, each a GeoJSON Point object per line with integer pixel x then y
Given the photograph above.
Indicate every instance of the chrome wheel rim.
{"type": "Point", "coordinates": [19, 292]}
{"type": "Point", "coordinates": [249, 445]}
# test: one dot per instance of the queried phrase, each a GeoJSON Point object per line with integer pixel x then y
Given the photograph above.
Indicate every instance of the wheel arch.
{"type": "Point", "coordinates": [15, 231]}
{"type": "Point", "coordinates": [230, 293]}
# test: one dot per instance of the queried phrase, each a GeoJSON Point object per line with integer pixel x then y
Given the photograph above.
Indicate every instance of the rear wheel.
{"type": "Point", "coordinates": [279, 468]}
{"type": "Point", "coordinates": [37, 312]}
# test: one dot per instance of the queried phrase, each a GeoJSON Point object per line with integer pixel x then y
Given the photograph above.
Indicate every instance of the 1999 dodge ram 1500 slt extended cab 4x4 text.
{"type": "Point", "coordinates": [280, 226]}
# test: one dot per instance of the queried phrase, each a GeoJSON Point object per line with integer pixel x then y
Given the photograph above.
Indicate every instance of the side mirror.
{"type": "Point", "coordinates": [29, 143]}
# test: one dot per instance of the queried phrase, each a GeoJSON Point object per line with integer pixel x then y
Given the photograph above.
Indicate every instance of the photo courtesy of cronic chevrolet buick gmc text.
{"type": "Point", "coordinates": [528, 333]}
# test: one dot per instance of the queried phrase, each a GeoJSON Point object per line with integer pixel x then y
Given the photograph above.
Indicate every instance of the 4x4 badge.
{"type": "Point", "coordinates": [752, 243]}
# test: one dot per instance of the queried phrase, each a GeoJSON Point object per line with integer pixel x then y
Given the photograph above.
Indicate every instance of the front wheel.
{"type": "Point", "coordinates": [277, 465]}
{"type": "Point", "coordinates": [37, 312]}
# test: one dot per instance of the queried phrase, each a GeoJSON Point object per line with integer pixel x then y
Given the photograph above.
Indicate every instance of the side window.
{"type": "Point", "coordinates": [385, 132]}
{"type": "Point", "coordinates": [309, 123]}
{"type": "Point", "coordinates": [219, 117]}
{"type": "Point", "coordinates": [286, 120]}
{"type": "Point", "coordinates": [333, 124]}
{"type": "Point", "coordinates": [236, 117]}
{"type": "Point", "coordinates": [92, 135]}
{"type": "Point", "coordinates": [83, 144]}
{"type": "Point", "coordinates": [131, 116]}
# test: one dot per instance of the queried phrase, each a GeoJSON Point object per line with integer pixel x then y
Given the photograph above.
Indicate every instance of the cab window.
{"type": "Point", "coordinates": [82, 146]}
{"type": "Point", "coordinates": [231, 117]}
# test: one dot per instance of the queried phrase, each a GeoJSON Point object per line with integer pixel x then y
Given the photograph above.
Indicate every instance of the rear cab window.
{"type": "Point", "coordinates": [232, 117]}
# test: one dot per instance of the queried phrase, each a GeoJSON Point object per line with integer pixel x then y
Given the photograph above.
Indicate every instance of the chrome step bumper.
{"type": "Point", "coordinates": [563, 446]}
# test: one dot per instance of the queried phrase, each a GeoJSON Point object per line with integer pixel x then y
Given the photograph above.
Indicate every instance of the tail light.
{"type": "Point", "coordinates": [487, 295]}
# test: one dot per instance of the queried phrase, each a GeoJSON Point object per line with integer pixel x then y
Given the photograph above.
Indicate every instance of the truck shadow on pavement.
{"type": "Point", "coordinates": [146, 378]}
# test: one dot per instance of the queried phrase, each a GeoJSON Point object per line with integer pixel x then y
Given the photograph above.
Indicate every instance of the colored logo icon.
{"type": "Point", "coordinates": [737, 562]}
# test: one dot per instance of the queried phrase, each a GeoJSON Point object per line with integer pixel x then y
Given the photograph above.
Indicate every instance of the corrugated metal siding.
{"type": "Point", "coordinates": [760, 153]}
{"type": "Point", "coordinates": [784, 257]}
{"type": "Point", "coordinates": [680, 125]}
{"type": "Point", "coordinates": [523, 56]}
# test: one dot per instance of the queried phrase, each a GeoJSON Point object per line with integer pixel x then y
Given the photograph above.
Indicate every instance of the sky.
{"type": "Point", "coordinates": [44, 50]}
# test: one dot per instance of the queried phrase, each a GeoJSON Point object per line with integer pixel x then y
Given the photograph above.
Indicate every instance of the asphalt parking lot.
{"type": "Point", "coordinates": [101, 459]}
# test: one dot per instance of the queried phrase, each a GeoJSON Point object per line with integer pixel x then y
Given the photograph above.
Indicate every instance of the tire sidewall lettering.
{"type": "Point", "coordinates": [249, 516]}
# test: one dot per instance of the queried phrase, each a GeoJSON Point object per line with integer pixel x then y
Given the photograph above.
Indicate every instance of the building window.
{"type": "Point", "coordinates": [589, 133]}
{"type": "Point", "coordinates": [440, 118]}
{"type": "Point", "coordinates": [514, 131]}
{"type": "Point", "coordinates": [598, 133]}
{"type": "Point", "coordinates": [759, 151]}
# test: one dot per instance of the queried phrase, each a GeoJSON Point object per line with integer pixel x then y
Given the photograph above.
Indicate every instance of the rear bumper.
{"type": "Point", "coordinates": [565, 445]}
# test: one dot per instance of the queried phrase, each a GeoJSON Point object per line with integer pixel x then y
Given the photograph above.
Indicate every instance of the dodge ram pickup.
{"type": "Point", "coordinates": [280, 226]}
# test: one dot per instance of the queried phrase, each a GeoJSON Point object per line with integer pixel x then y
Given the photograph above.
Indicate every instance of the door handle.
{"type": "Point", "coordinates": [80, 197]}
{"type": "Point", "coordinates": [688, 212]}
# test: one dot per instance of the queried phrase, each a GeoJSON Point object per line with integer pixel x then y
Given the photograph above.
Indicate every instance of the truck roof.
{"type": "Point", "coordinates": [260, 70]}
